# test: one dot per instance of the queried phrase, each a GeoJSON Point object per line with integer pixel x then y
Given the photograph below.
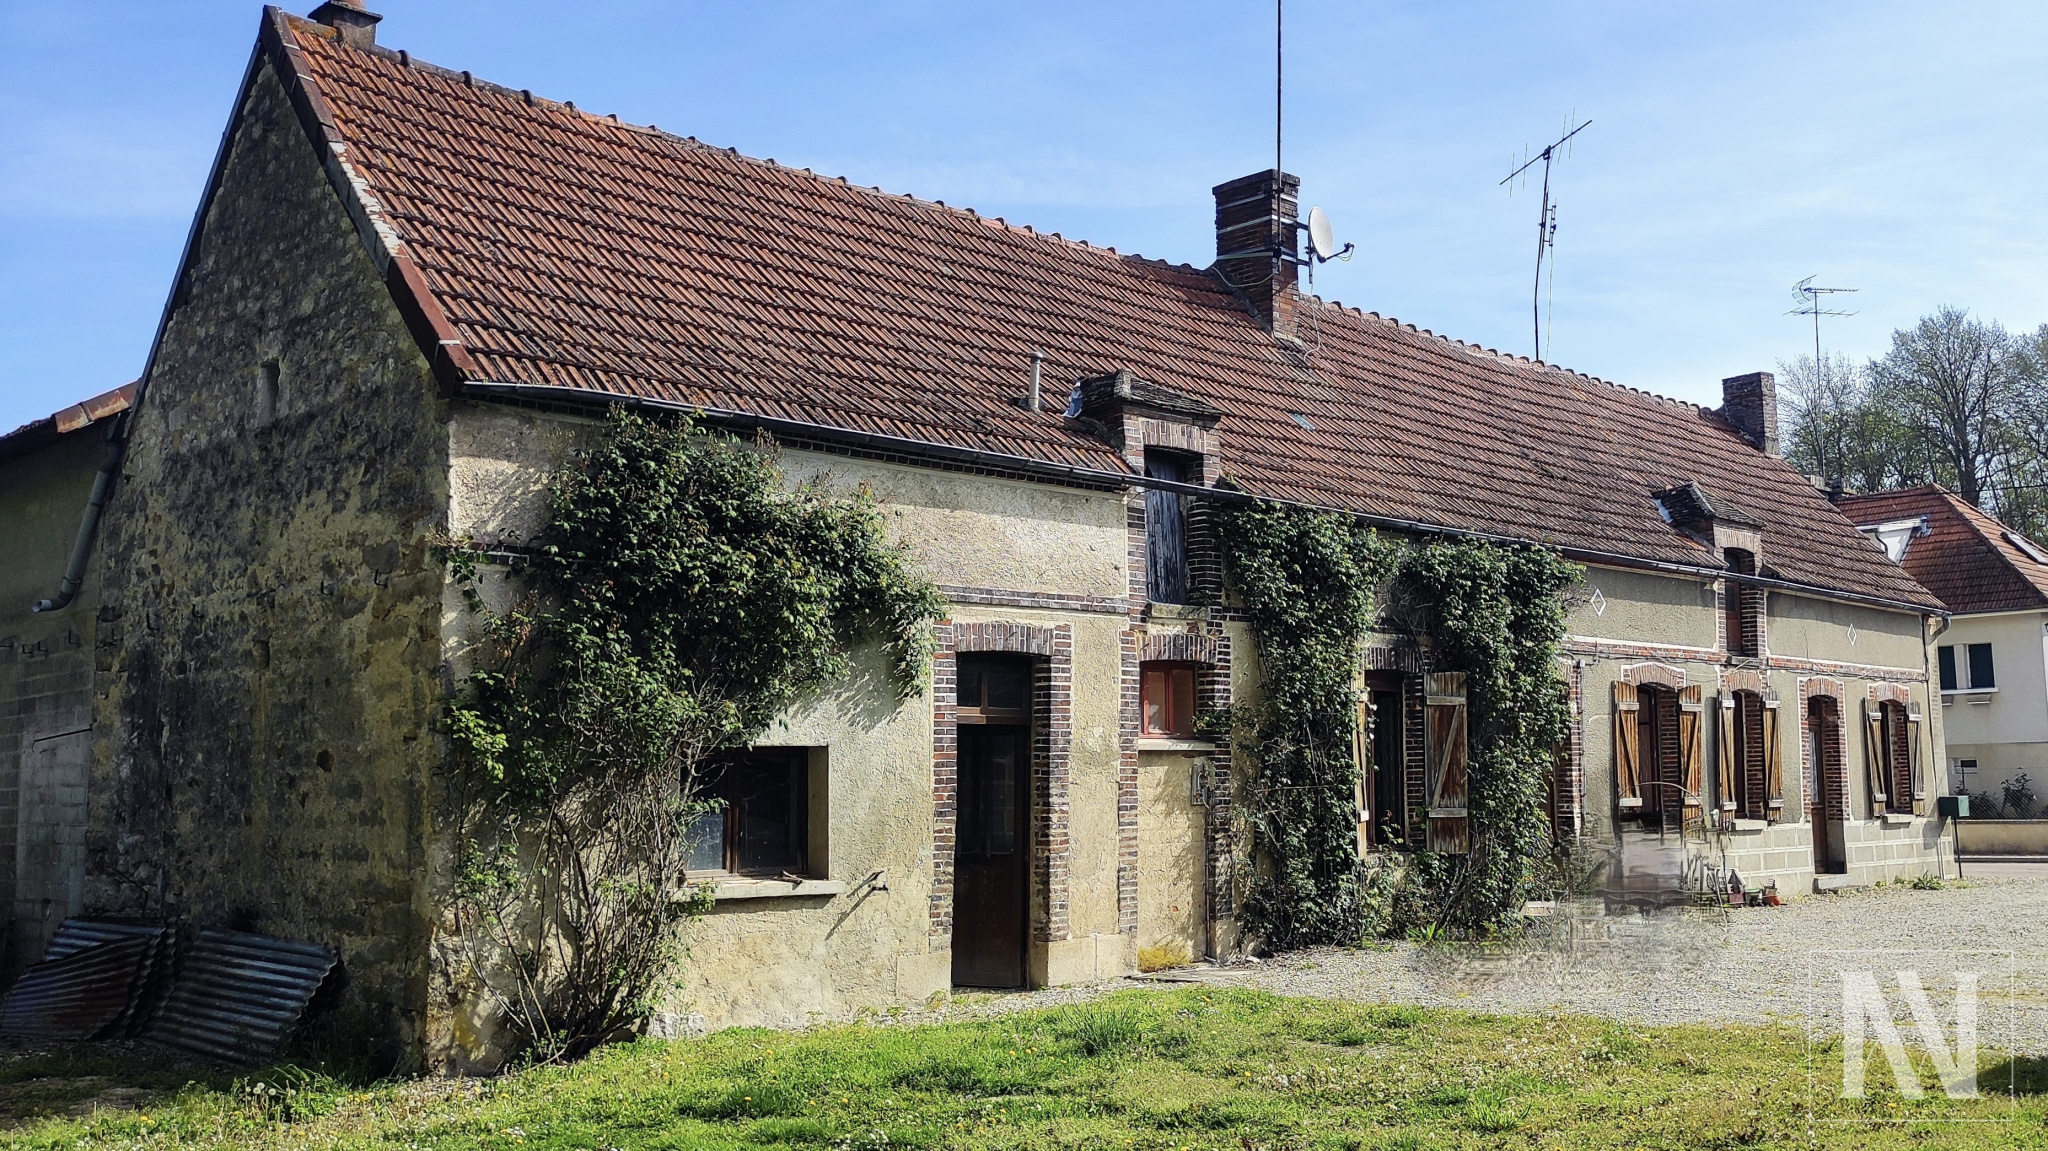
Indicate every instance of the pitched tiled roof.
{"type": "Point", "coordinates": [36, 433]}
{"type": "Point", "coordinates": [570, 249]}
{"type": "Point", "coordinates": [1967, 558]}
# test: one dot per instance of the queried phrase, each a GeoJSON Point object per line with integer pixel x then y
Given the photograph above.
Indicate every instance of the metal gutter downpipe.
{"type": "Point", "coordinates": [81, 548]}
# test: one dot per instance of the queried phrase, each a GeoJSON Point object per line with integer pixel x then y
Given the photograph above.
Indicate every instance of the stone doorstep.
{"type": "Point", "coordinates": [1831, 884]}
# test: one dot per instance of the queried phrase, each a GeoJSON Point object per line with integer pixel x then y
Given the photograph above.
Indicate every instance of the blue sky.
{"type": "Point", "coordinates": [1735, 148]}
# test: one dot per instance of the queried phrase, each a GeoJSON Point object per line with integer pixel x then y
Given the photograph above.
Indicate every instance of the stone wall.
{"type": "Point", "coordinates": [265, 725]}
{"type": "Point", "coordinates": [46, 713]}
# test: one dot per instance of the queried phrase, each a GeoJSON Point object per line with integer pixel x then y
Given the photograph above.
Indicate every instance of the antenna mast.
{"type": "Point", "coordinates": [1811, 304]}
{"type": "Point", "coordinates": [1279, 88]}
{"type": "Point", "coordinates": [1546, 224]}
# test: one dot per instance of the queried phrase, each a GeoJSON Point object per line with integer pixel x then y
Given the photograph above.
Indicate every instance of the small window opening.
{"type": "Point", "coordinates": [994, 690]}
{"type": "Point", "coordinates": [1949, 682]}
{"type": "Point", "coordinates": [763, 824]}
{"type": "Point", "coordinates": [266, 395]}
{"type": "Point", "coordinates": [1981, 677]}
{"type": "Point", "coordinates": [1167, 695]}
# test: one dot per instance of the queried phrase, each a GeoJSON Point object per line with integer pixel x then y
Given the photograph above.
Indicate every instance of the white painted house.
{"type": "Point", "coordinates": [1993, 658]}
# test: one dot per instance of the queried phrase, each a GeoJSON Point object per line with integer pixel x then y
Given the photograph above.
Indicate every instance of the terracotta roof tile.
{"type": "Point", "coordinates": [566, 248]}
{"type": "Point", "coordinates": [1967, 558]}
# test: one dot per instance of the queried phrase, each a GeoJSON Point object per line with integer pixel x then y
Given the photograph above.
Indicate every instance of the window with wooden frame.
{"type": "Point", "coordinates": [1743, 606]}
{"type": "Point", "coordinates": [1380, 750]}
{"type": "Point", "coordinates": [1892, 754]}
{"type": "Point", "coordinates": [993, 689]}
{"type": "Point", "coordinates": [763, 824]}
{"type": "Point", "coordinates": [1657, 762]}
{"type": "Point", "coordinates": [1752, 765]}
{"type": "Point", "coordinates": [1166, 694]}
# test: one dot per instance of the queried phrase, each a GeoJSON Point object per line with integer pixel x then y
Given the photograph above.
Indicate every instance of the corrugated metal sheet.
{"type": "Point", "coordinates": [87, 993]}
{"type": "Point", "coordinates": [239, 995]}
{"type": "Point", "coordinates": [78, 934]}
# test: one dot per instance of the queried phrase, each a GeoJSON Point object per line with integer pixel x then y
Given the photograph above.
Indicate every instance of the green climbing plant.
{"type": "Point", "coordinates": [681, 596]}
{"type": "Point", "coordinates": [1497, 613]}
{"type": "Point", "coordinates": [1307, 582]}
{"type": "Point", "coordinates": [1312, 586]}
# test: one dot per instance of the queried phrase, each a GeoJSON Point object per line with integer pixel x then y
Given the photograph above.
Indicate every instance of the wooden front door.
{"type": "Point", "coordinates": [1825, 804]}
{"type": "Point", "coordinates": [990, 868]}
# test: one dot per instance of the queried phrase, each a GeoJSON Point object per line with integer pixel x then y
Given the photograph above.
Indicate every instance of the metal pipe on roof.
{"type": "Point", "coordinates": [1101, 478]}
{"type": "Point", "coordinates": [81, 548]}
{"type": "Point", "coordinates": [1037, 370]}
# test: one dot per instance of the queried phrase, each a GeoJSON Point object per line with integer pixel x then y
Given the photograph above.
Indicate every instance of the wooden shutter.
{"type": "Point", "coordinates": [1729, 772]}
{"type": "Point", "coordinates": [1448, 831]}
{"type": "Point", "coordinates": [1913, 729]}
{"type": "Point", "coordinates": [1628, 746]}
{"type": "Point", "coordinates": [1873, 752]}
{"type": "Point", "coordinates": [1362, 757]}
{"type": "Point", "coordinates": [1774, 765]}
{"type": "Point", "coordinates": [1691, 711]}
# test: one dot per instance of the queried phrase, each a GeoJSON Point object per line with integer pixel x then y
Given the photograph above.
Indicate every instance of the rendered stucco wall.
{"type": "Point", "coordinates": [786, 959]}
{"type": "Point", "coordinates": [1661, 624]}
{"type": "Point", "coordinates": [1806, 628]}
{"type": "Point", "coordinates": [266, 723]}
{"type": "Point", "coordinates": [2005, 731]}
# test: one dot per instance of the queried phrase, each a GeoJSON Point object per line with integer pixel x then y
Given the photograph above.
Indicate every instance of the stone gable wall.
{"type": "Point", "coordinates": [267, 697]}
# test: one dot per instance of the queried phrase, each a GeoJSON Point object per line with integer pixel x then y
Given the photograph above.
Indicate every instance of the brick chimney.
{"type": "Point", "coordinates": [1257, 243]}
{"type": "Point", "coordinates": [1751, 404]}
{"type": "Point", "coordinates": [358, 27]}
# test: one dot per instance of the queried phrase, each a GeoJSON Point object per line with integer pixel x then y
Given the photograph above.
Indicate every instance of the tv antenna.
{"type": "Point", "coordinates": [1546, 223]}
{"type": "Point", "coordinates": [1811, 304]}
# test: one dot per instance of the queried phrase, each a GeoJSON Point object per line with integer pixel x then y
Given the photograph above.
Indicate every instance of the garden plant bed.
{"type": "Point", "coordinates": [1190, 1068]}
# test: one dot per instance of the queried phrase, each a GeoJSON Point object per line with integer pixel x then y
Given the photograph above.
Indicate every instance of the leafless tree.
{"type": "Point", "coordinates": [1957, 384]}
{"type": "Point", "coordinates": [1835, 428]}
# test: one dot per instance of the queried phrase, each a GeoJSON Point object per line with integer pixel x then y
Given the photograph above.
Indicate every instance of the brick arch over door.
{"type": "Point", "coordinates": [1052, 737]}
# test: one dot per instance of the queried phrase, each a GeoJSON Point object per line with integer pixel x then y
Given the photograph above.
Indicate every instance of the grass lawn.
{"type": "Point", "coordinates": [1141, 1069]}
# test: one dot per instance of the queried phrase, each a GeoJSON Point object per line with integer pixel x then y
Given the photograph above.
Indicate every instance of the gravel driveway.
{"type": "Point", "coordinates": [1739, 965]}
{"type": "Point", "coordinates": [1734, 966]}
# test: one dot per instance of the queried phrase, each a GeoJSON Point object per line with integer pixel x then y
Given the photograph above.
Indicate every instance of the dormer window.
{"type": "Point", "coordinates": [1895, 536]}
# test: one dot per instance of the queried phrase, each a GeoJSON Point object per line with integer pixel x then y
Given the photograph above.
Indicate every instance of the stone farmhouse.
{"type": "Point", "coordinates": [407, 294]}
{"type": "Point", "coordinates": [1992, 662]}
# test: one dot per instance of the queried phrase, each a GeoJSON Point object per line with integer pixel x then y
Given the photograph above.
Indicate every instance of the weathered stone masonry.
{"type": "Point", "coordinates": [265, 720]}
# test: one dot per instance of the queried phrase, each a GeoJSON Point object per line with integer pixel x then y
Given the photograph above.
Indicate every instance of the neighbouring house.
{"type": "Point", "coordinates": [1992, 661]}
{"type": "Point", "coordinates": [408, 292]}
{"type": "Point", "coordinates": [48, 468]}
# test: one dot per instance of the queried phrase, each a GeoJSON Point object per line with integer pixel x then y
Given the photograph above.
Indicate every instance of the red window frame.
{"type": "Point", "coordinates": [1166, 699]}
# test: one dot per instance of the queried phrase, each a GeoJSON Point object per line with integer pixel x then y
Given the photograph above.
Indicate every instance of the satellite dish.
{"type": "Point", "coordinates": [1322, 241]}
